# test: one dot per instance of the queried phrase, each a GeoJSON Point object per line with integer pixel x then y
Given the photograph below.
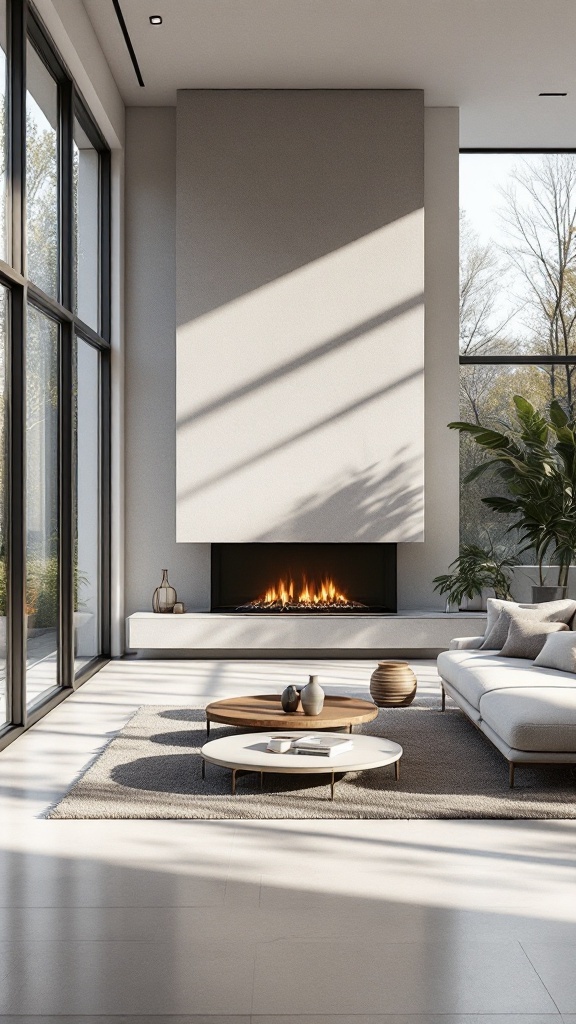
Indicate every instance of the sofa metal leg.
{"type": "Point", "coordinates": [511, 767]}
{"type": "Point", "coordinates": [443, 699]}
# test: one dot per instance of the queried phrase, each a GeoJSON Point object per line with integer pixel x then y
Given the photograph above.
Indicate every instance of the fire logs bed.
{"type": "Point", "coordinates": [310, 596]}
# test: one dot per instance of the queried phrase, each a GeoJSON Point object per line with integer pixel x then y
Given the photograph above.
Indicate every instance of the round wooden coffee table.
{"type": "Point", "coordinates": [265, 712]}
{"type": "Point", "coordinates": [248, 753]}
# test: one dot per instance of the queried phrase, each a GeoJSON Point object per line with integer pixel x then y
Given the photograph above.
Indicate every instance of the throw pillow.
{"type": "Point", "coordinates": [526, 637]}
{"type": "Point", "coordinates": [553, 611]}
{"type": "Point", "coordinates": [559, 652]}
{"type": "Point", "coordinates": [495, 640]}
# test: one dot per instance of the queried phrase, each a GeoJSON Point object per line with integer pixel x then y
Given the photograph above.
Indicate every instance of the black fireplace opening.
{"type": "Point", "coordinates": [291, 579]}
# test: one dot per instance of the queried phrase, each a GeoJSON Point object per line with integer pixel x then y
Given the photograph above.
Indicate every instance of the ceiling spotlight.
{"type": "Point", "coordinates": [552, 93]}
{"type": "Point", "coordinates": [155, 19]}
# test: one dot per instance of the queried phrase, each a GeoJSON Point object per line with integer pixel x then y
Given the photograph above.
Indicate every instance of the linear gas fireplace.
{"type": "Point", "coordinates": [290, 579]}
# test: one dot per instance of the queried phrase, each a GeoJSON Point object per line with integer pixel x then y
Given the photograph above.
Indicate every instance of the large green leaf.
{"type": "Point", "coordinates": [558, 417]}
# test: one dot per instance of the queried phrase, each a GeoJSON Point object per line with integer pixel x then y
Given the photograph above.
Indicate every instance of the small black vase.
{"type": "Point", "coordinates": [290, 699]}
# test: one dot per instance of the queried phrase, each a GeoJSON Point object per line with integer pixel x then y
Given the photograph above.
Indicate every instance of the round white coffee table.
{"type": "Point", "coordinates": [247, 752]}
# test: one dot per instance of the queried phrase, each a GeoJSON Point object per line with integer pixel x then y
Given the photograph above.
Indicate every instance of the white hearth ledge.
{"type": "Point", "coordinates": [213, 631]}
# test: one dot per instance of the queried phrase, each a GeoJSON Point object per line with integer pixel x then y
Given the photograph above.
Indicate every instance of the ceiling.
{"type": "Point", "coordinates": [491, 58]}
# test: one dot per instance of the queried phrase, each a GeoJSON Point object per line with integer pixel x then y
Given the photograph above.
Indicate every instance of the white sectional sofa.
{"type": "Point", "coordinates": [528, 712]}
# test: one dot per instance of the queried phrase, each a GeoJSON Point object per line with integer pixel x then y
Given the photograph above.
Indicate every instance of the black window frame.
{"type": "Point", "coordinates": [24, 25]}
{"type": "Point", "coordinates": [543, 359]}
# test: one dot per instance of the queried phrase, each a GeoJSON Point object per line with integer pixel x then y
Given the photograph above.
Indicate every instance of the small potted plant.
{"type": "Point", "coordinates": [475, 570]}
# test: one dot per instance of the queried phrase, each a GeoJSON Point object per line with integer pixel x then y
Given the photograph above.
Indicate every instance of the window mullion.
{"type": "Point", "coordinates": [16, 533]}
{"type": "Point", "coordinates": [17, 16]}
{"type": "Point", "coordinates": [66, 105]}
{"type": "Point", "coordinates": [66, 445]}
{"type": "Point", "coordinates": [66, 509]}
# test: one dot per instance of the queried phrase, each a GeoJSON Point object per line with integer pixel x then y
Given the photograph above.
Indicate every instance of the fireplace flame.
{"type": "Point", "coordinates": [311, 595]}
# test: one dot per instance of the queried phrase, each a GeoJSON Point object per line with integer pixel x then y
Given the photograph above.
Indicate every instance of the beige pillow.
{"type": "Point", "coordinates": [559, 652]}
{"type": "Point", "coordinates": [553, 611]}
{"type": "Point", "coordinates": [495, 640]}
{"type": "Point", "coordinates": [526, 637]}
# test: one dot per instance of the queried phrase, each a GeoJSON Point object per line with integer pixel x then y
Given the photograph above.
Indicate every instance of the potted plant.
{"type": "Point", "coordinates": [536, 461]}
{"type": "Point", "coordinates": [474, 570]}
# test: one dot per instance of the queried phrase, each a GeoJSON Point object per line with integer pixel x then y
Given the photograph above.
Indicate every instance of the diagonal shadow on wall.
{"type": "Point", "coordinates": [299, 435]}
{"type": "Point", "coordinates": [327, 348]}
{"type": "Point", "coordinates": [365, 506]}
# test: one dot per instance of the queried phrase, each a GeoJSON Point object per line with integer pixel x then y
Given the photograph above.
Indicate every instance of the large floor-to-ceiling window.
{"type": "Point", "coordinates": [517, 306]}
{"type": "Point", "coordinates": [54, 377]}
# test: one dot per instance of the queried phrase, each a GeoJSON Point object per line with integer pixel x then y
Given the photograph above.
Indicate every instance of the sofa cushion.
{"type": "Point", "coordinates": [554, 611]}
{"type": "Point", "coordinates": [526, 638]}
{"type": "Point", "coordinates": [496, 638]}
{"type": "Point", "coordinates": [498, 635]}
{"type": "Point", "coordinates": [474, 673]}
{"type": "Point", "coordinates": [537, 718]}
{"type": "Point", "coordinates": [559, 652]}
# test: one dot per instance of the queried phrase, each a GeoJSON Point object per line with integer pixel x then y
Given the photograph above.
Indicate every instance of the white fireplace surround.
{"type": "Point", "coordinates": [300, 315]}
{"type": "Point", "coordinates": [148, 450]}
{"type": "Point", "coordinates": [200, 631]}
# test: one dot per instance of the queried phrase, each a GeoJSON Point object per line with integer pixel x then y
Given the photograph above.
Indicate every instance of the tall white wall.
{"type": "Point", "coordinates": [150, 368]}
{"type": "Point", "coordinates": [300, 315]}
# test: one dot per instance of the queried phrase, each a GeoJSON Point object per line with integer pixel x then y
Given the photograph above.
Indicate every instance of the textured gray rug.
{"type": "Point", "coordinates": [152, 769]}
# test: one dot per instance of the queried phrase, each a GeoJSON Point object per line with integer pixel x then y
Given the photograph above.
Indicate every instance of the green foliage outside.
{"type": "Point", "coordinates": [534, 461]}
{"type": "Point", "coordinates": [42, 591]}
{"type": "Point", "coordinates": [41, 381]}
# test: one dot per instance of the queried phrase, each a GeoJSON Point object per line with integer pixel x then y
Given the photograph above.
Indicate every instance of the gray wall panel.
{"type": "Point", "coordinates": [150, 408]}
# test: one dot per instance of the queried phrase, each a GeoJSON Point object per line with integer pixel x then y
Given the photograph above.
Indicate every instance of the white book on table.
{"type": "Point", "coordinates": [327, 746]}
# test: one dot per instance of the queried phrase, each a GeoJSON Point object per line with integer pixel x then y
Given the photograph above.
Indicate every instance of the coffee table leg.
{"type": "Point", "coordinates": [397, 770]}
{"type": "Point", "coordinates": [203, 768]}
{"type": "Point", "coordinates": [207, 727]}
{"type": "Point", "coordinates": [234, 770]}
{"type": "Point", "coordinates": [332, 787]}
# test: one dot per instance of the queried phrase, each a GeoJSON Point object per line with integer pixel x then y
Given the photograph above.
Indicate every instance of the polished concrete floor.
{"type": "Point", "coordinates": [316, 922]}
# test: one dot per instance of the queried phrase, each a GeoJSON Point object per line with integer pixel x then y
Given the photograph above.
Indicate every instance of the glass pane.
{"type": "Point", "coordinates": [41, 174]}
{"type": "Point", "coordinates": [3, 130]}
{"type": "Point", "coordinates": [42, 568]}
{"type": "Point", "coordinates": [3, 505]}
{"type": "Point", "coordinates": [486, 397]}
{"type": "Point", "coordinates": [86, 228]}
{"type": "Point", "coordinates": [518, 253]}
{"type": "Point", "coordinates": [87, 505]}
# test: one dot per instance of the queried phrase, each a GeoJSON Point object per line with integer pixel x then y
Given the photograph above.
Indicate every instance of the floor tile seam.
{"type": "Point", "coordinates": [542, 982]}
{"type": "Point", "coordinates": [333, 1018]}
{"type": "Point", "coordinates": [112, 906]}
{"type": "Point", "coordinates": [156, 941]}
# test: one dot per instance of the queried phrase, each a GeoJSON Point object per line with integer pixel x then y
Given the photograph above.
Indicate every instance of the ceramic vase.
{"type": "Point", "coordinates": [312, 697]}
{"type": "Point", "coordinates": [290, 699]}
{"type": "Point", "coordinates": [393, 685]}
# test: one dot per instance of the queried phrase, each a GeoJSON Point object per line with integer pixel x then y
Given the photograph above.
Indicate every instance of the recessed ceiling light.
{"type": "Point", "coordinates": [552, 93]}
{"type": "Point", "coordinates": [155, 19]}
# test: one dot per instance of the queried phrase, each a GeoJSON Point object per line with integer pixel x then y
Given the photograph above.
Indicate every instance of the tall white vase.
{"type": "Point", "coordinates": [312, 697]}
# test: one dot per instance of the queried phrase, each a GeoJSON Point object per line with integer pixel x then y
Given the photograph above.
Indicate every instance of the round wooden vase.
{"type": "Point", "coordinates": [393, 684]}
